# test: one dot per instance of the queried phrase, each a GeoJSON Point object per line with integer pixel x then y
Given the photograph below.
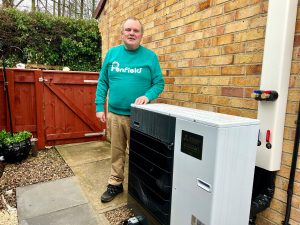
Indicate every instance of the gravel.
{"type": "Point", "coordinates": [47, 166]}
{"type": "Point", "coordinates": [117, 216]}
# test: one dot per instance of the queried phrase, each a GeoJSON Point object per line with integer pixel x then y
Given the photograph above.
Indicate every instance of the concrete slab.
{"type": "Point", "coordinates": [102, 220]}
{"type": "Point", "coordinates": [78, 215]}
{"type": "Point", "coordinates": [90, 162]}
{"type": "Point", "coordinates": [93, 181]}
{"type": "Point", "coordinates": [82, 153]}
{"type": "Point", "coordinates": [43, 198]}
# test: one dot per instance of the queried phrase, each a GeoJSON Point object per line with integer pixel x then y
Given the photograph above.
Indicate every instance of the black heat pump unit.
{"type": "Point", "coordinates": [151, 165]}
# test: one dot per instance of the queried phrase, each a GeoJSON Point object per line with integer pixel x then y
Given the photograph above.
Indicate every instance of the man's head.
{"type": "Point", "coordinates": [132, 33]}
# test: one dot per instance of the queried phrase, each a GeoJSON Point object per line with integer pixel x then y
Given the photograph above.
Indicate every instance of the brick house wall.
{"type": "Point", "coordinates": [211, 53]}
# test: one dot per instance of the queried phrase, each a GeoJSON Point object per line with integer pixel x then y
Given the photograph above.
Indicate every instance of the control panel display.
{"type": "Point", "coordinates": [192, 144]}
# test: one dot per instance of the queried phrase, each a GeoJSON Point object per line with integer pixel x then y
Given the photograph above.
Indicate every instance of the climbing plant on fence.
{"type": "Point", "coordinates": [48, 40]}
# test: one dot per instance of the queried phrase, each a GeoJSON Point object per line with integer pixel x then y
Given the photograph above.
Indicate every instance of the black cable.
{"type": "Point", "coordinates": [7, 95]}
{"type": "Point", "coordinates": [3, 49]}
{"type": "Point", "coordinates": [292, 172]}
{"type": "Point", "coordinates": [1, 46]}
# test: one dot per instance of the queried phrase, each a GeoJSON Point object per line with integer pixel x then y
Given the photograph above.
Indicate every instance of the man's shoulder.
{"type": "Point", "coordinates": [147, 50]}
{"type": "Point", "coordinates": [116, 48]}
{"type": "Point", "coordinates": [113, 51]}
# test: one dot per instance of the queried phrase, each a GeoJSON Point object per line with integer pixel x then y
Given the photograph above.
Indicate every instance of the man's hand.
{"type": "Point", "coordinates": [101, 116]}
{"type": "Point", "coordinates": [141, 100]}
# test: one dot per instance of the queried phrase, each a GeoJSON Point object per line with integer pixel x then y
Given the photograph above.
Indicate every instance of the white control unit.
{"type": "Point", "coordinates": [214, 161]}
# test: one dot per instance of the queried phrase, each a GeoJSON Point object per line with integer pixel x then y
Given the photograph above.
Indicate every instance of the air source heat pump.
{"type": "Point", "coordinates": [191, 167]}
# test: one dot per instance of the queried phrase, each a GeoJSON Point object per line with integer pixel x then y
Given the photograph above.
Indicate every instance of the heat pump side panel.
{"type": "Point", "coordinates": [234, 172]}
{"type": "Point", "coordinates": [188, 199]}
{"type": "Point", "coordinates": [227, 167]}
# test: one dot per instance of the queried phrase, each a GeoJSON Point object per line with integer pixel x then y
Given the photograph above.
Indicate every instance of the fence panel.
{"type": "Point", "coordinates": [21, 90]}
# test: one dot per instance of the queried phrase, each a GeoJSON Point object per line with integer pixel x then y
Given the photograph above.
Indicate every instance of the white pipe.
{"type": "Point", "coordinates": [276, 68]}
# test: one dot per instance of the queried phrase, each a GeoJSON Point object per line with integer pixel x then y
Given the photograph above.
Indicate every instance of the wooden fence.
{"type": "Point", "coordinates": [56, 106]}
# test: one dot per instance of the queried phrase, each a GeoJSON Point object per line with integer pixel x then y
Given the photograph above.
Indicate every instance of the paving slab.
{"type": "Point", "coordinates": [82, 153]}
{"type": "Point", "coordinates": [91, 163]}
{"type": "Point", "coordinates": [93, 181]}
{"type": "Point", "coordinates": [78, 215]}
{"type": "Point", "coordinates": [43, 201]}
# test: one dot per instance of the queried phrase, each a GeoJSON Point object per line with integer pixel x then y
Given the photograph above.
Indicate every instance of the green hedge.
{"type": "Point", "coordinates": [49, 40]}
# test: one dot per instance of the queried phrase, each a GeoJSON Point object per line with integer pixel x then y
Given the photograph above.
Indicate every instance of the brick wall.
{"type": "Point", "coordinates": [211, 53]}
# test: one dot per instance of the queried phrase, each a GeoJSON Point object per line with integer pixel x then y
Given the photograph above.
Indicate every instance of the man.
{"type": "Point", "coordinates": [132, 74]}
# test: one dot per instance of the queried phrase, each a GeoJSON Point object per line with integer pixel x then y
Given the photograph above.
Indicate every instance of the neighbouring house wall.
{"type": "Point", "coordinates": [211, 53]}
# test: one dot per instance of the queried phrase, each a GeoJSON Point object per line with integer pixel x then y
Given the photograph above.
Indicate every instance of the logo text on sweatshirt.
{"type": "Point", "coordinates": [116, 67]}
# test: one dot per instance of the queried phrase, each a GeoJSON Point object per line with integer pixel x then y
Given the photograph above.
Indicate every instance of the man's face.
{"type": "Point", "coordinates": [132, 34]}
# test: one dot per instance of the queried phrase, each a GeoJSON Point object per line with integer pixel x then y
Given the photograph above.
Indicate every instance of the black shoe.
{"type": "Point", "coordinates": [111, 192]}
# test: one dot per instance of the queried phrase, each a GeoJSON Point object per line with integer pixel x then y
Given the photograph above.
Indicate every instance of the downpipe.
{"type": "Point", "coordinates": [292, 172]}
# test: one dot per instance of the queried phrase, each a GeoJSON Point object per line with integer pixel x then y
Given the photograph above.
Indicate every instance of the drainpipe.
{"type": "Point", "coordinates": [292, 172]}
{"type": "Point", "coordinates": [272, 100]}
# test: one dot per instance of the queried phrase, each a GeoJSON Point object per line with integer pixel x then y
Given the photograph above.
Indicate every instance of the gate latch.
{"type": "Point", "coordinates": [42, 79]}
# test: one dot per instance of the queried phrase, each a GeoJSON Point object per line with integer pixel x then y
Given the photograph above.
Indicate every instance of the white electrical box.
{"type": "Point", "coordinates": [213, 169]}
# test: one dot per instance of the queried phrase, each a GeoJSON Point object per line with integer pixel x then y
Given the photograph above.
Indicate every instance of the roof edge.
{"type": "Point", "coordinates": [99, 9]}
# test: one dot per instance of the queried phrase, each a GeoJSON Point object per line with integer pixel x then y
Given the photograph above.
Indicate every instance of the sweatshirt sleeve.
{"type": "Point", "coordinates": [103, 85]}
{"type": "Point", "coordinates": [157, 81]}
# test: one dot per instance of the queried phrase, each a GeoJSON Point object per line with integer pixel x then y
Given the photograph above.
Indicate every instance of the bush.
{"type": "Point", "coordinates": [48, 40]}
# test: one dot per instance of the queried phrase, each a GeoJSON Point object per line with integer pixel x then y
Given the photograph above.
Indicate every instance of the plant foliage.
{"type": "Point", "coordinates": [7, 139]}
{"type": "Point", "coordinates": [48, 40]}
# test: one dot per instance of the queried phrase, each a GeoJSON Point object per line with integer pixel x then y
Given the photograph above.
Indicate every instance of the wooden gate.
{"type": "Point", "coordinates": [57, 107]}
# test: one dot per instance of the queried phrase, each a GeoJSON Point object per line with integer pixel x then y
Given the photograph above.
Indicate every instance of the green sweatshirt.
{"type": "Point", "coordinates": [128, 75]}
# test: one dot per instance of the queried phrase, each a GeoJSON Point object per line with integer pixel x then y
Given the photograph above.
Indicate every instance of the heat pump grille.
{"type": "Point", "coordinates": [150, 174]}
{"type": "Point", "coordinates": [158, 207]}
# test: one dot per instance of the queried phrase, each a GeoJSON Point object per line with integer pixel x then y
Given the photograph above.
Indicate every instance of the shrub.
{"type": "Point", "coordinates": [48, 40]}
{"type": "Point", "coordinates": [16, 147]}
{"type": "Point", "coordinates": [7, 139]}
